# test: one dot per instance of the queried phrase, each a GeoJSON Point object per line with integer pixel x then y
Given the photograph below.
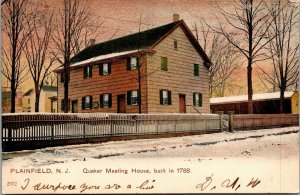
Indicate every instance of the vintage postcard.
{"type": "Point", "coordinates": [147, 96]}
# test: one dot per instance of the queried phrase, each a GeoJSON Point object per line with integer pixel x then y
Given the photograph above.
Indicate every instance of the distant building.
{"type": "Point", "coordinates": [6, 101]}
{"type": "Point", "coordinates": [48, 98]}
{"type": "Point", "coordinates": [173, 66]}
{"type": "Point", "coordinates": [263, 103]}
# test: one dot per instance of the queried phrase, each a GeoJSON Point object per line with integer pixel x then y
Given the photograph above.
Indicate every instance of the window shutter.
{"type": "Point", "coordinates": [101, 101]}
{"type": "Point", "coordinates": [91, 102]}
{"type": "Point", "coordinates": [194, 99]}
{"type": "Point", "coordinates": [109, 68]}
{"type": "Point", "coordinates": [91, 71]}
{"type": "Point", "coordinates": [169, 98]}
{"type": "Point", "coordinates": [161, 97]}
{"type": "Point", "coordinates": [100, 69]}
{"type": "Point", "coordinates": [196, 69]}
{"type": "Point", "coordinates": [128, 97]}
{"type": "Point", "coordinates": [200, 99]}
{"type": "Point", "coordinates": [164, 63]}
{"type": "Point", "coordinates": [139, 97]}
{"type": "Point", "coordinates": [85, 72]}
{"type": "Point", "coordinates": [83, 103]}
{"type": "Point", "coordinates": [109, 100]}
{"type": "Point", "coordinates": [128, 63]}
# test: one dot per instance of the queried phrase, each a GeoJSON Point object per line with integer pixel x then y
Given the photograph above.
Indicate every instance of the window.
{"type": "Point", "coordinates": [105, 100]}
{"type": "Point", "coordinates": [132, 97]}
{"type": "Point", "coordinates": [28, 101]}
{"type": "Point", "coordinates": [164, 63]}
{"type": "Point", "coordinates": [165, 97]}
{"type": "Point", "coordinates": [87, 71]}
{"type": "Point", "coordinates": [63, 105]}
{"type": "Point", "coordinates": [87, 102]}
{"type": "Point", "coordinates": [196, 69]}
{"type": "Point", "coordinates": [105, 69]}
{"type": "Point", "coordinates": [175, 44]}
{"type": "Point", "coordinates": [132, 63]}
{"type": "Point", "coordinates": [197, 99]}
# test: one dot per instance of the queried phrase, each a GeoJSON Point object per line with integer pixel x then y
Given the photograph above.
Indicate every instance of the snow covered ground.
{"type": "Point", "coordinates": [271, 155]}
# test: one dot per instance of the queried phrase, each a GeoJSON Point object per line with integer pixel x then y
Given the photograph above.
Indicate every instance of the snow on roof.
{"type": "Point", "coordinates": [102, 57]}
{"type": "Point", "coordinates": [244, 98]}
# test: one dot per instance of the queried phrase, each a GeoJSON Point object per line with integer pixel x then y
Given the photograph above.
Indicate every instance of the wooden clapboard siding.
{"type": "Point", "coordinates": [118, 82]}
{"type": "Point", "coordinates": [179, 78]}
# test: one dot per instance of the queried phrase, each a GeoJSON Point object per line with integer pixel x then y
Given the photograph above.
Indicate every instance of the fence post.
{"type": "Point", "coordinates": [52, 131]}
{"type": "Point", "coordinates": [9, 132]}
{"type": "Point", "coordinates": [221, 119]}
{"type": "Point", "coordinates": [84, 128]}
{"type": "Point", "coordinates": [230, 113]}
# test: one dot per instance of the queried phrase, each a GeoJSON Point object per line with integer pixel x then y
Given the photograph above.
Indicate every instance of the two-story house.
{"type": "Point", "coordinates": [104, 77]}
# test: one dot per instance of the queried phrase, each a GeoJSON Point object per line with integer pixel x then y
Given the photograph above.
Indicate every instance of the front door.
{"type": "Point", "coordinates": [121, 104]}
{"type": "Point", "coordinates": [182, 104]}
{"type": "Point", "coordinates": [74, 106]}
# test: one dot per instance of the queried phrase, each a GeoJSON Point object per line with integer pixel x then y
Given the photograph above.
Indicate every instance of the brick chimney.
{"type": "Point", "coordinates": [175, 17]}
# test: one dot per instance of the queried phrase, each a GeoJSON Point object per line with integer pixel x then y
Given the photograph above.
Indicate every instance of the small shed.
{"type": "Point", "coordinates": [263, 103]}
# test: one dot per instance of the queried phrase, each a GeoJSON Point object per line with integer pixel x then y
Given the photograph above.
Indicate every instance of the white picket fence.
{"type": "Point", "coordinates": [24, 127]}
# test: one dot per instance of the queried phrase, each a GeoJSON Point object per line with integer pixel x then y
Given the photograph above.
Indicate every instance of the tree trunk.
{"type": "Point", "coordinates": [37, 99]}
{"type": "Point", "coordinates": [13, 98]}
{"type": "Point", "coordinates": [250, 90]}
{"type": "Point", "coordinates": [281, 101]}
{"type": "Point", "coordinates": [66, 90]}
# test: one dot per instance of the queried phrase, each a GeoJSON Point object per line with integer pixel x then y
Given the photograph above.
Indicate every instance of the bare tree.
{"type": "Point", "coordinates": [73, 28]}
{"type": "Point", "coordinates": [13, 17]}
{"type": "Point", "coordinates": [246, 26]}
{"type": "Point", "coordinates": [283, 49]}
{"type": "Point", "coordinates": [224, 57]}
{"type": "Point", "coordinates": [36, 49]}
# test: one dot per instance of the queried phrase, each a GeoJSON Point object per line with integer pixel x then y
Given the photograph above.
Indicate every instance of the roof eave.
{"type": "Point", "coordinates": [141, 52]}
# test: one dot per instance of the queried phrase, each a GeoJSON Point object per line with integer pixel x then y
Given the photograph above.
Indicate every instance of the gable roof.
{"type": "Point", "coordinates": [138, 41]}
{"type": "Point", "coordinates": [244, 98]}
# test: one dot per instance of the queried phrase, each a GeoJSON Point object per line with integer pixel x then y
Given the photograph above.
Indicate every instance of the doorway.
{"type": "Point", "coordinates": [74, 106]}
{"type": "Point", "coordinates": [121, 103]}
{"type": "Point", "coordinates": [182, 105]}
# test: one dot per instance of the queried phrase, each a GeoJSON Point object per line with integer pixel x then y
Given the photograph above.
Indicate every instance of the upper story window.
{"type": "Point", "coordinates": [165, 97]}
{"type": "Point", "coordinates": [196, 69]}
{"type": "Point", "coordinates": [132, 97]}
{"type": "Point", "coordinates": [175, 44]}
{"type": "Point", "coordinates": [87, 102]}
{"type": "Point", "coordinates": [164, 63]}
{"type": "Point", "coordinates": [105, 69]}
{"type": "Point", "coordinates": [87, 71]}
{"type": "Point", "coordinates": [105, 100]}
{"type": "Point", "coordinates": [197, 99]}
{"type": "Point", "coordinates": [132, 63]}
